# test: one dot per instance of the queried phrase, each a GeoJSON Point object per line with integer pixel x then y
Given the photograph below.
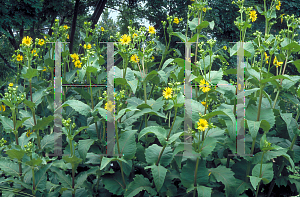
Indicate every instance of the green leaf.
{"type": "Point", "coordinates": [167, 62]}
{"type": "Point", "coordinates": [208, 146]}
{"type": "Point", "coordinates": [179, 35]}
{"type": "Point", "coordinates": [127, 144]}
{"type": "Point", "coordinates": [266, 172]}
{"type": "Point", "coordinates": [225, 175]}
{"type": "Point", "coordinates": [38, 95]}
{"type": "Point", "coordinates": [254, 181]}
{"type": "Point", "coordinates": [83, 93]}
{"type": "Point", "coordinates": [187, 174]}
{"type": "Point", "coordinates": [294, 47]}
{"type": "Point", "coordinates": [159, 175]}
{"type": "Point", "coordinates": [211, 25]}
{"type": "Point", "coordinates": [203, 191]}
{"type": "Point", "coordinates": [267, 116]}
{"type": "Point", "coordinates": [194, 38]}
{"type": "Point", "coordinates": [174, 137]}
{"type": "Point", "coordinates": [105, 161]}
{"type": "Point", "coordinates": [48, 140]}
{"type": "Point", "coordinates": [297, 64]}
{"type": "Point", "coordinates": [70, 76]}
{"type": "Point", "coordinates": [29, 103]}
{"type": "Point", "coordinates": [41, 124]}
{"type": "Point", "coordinates": [74, 161]}
{"type": "Point", "coordinates": [34, 162]}
{"type": "Point", "coordinates": [63, 178]}
{"type": "Point", "coordinates": [20, 122]}
{"type": "Point", "coordinates": [41, 177]}
{"type": "Point", "coordinates": [84, 146]}
{"type": "Point", "coordinates": [7, 124]}
{"type": "Point", "coordinates": [273, 79]}
{"type": "Point", "coordinates": [152, 154]}
{"type": "Point", "coordinates": [30, 73]}
{"type": "Point", "coordinates": [215, 76]}
{"type": "Point", "coordinates": [160, 133]}
{"type": "Point", "coordinates": [82, 177]}
{"type": "Point", "coordinates": [113, 183]}
{"type": "Point", "coordinates": [15, 154]}
{"type": "Point", "coordinates": [9, 167]}
{"type": "Point", "coordinates": [291, 124]}
{"type": "Point", "coordinates": [78, 106]}
{"type": "Point", "coordinates": [253, 127]}
{"type": "Point", "coordinates": [137, 185]}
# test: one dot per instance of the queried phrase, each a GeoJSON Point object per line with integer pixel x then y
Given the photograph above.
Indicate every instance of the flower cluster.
{"type": "Point", "coordinates": [276, 63]}
{"type": "Point", "coordinates": [75, 59]}
{"type": "Point", "coordinates": [2, 142]}
{"type": "Point", "coordinates": [204, 86]}
{"type": "Point", "coordinates": [29, 148]}
{"type": "Point", "coordinates": [68, 122]}
{"type": "Point", "coordinates": [278, 6]}
{"type": "Point", "coordinates": [12, 95]}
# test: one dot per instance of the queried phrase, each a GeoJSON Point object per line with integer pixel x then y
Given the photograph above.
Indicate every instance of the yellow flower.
{"type": "Point", "coordinates": [281, 17]}
{"type": "Point", "coordinates": [225, 47]}
{"type": "Point", "coordinates": [209, 174]}
{"type": "Point", "coordinates": [74, 57]}
{"type": "Point", "coordinates": [34, 51]}
{"type": "Point", "coordinates": [87, 46]}
{"type": "Point", "coordinates": [41, 42]}
{"type": "Point", "coordinates": [102, 29]}
{"type": "Point", "coordinates": [277, 7]}
{"type": "Point", "coordinates": [125, 39]}
{"type": "Point", "coordinates": [176, 20]}
{"type": "Point", "coordinates": [204, 9]}
{"type": "Point", "coordinates": [204, 86]}
{"type": "Point", "coordinates": [29, 133]}
{"type": "Point", "coordinates": [151, 30]}
{"type": "Point", "coordinates": [66, 27]}
{"type": "Point", "coordinates": [19, 57]}
{"type": "Point", "coordinates": [68, 37]}
{"type": "Point", "coordinates": [109, 106]}
{"type": "Point", "coordinates": [253, 15]}
{"type": "Point", "coordinates": [202, 124]}
{"type": "Point", "coordinates": [203, 103]}
{"type": "Point", "coordinates": [152, 57]}
{"type": "Point", "coordinates": [134, 35]}
{"type": "Point", "coordinates": [134, 58]}
{"type": "Point", "coordinates": [2, 108]}
{"type": "Point", "coordinates": [27, 41]}
{"type": "Point", "coordinates": [45, 69]}
{"type": "Point", "coordinates": [276, 63]}
{"type": "Point", "coordinates": [279, 3]}
{"type": "Point", "coordinates": [167, 93]}
{"type": "Point", "coordinates": [11, 84]}
{"type": "Point", "coordinates": [77, 64]}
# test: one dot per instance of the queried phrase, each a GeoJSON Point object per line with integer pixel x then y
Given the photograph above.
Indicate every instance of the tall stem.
{"type": "Point", "coordinates": [33, 181]}
{"type": "Point", "coordinates": [195, 177]}
{"type": "Point", "coordinates": [119, 152]}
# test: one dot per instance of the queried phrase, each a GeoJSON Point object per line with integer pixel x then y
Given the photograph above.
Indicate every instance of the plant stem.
{"type": "Point", "coordinates": [73, 180]}
{"type": "Point", "coordinates": [118, 145]}
{"type": "Point", "coordinates": [33, 181]}
{"type": "Point", "coordinates": [195, 177]}
{"type": "Point", "coordinates": [161, 152]}
{"type": "Point", "coordinates": [260, 173]}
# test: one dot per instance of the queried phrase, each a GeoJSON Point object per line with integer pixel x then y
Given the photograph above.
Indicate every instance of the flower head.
{"type": "Point", "coordinates": [74, 57]}
{"type": "Point", "coordinates": [134, 35]}
{"type": "Point", "coordinates": [87, 46]}
{"type": "Point", "coordinates": [102, 29]}
{"type": "Point", "coordinates": [276, 63]}
{"type": "Point", "coordinates": [66, 27]}
{"type": "Point", "coordinates": [204, 86]}
{"type": "Point", "coordinates": [134, 58]}
{"type": "Point", "coordinates": [151, 30]}
{"type": "Point", "coordinates": [19, 57]}
{"type": "Point", "coordinates": [109, 106]}
{"type": "Point", "coordinates": [11, 84]}
{"type": "Point", "coordinates": [204, 9]}
{"type": "Point", "coordinates": [253, 15]}
{"type": "Point", "coordinates": [225, 48]}
{"type": "Point", "coordinates": [125, 39]}
{"type": "Point", "coordinates": [176, 20]}
{"type": "Point", "coordinates": [34, 51]}
{"type": "Point", "coordinates": [2, 108]}
{"type": "Point", "coordinates": [281, 17]}
{"type": "Point", "coordinates": [68, 37]}
{"type": "Point", "coordinates": [41, 42]}
{"type": "Point", "coordinates": [44, 69]}
{"type": "Point", "coordinates": [167, 93]}
{"type": "Point", "coordinates": [278, 6]}
{"type": "Point", "coordinates": [27, 41]}
{"type": "Point", "coordinates": [203, 103]}
{"type": "Point", "coordinates": [77, 64]}
{"type": "Point", "coordinates": [202, 124]}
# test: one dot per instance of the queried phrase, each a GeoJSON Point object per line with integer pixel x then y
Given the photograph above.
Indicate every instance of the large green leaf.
{"type": "Point", "coordinates": [37, 97]}
{"type": "Point", "coordinates": [105, 161]}
{"type": "Point", "coordinates": [159, 175]}
{"type": "Point", "coordinates": [30, 73]}
{"type": "Point", "coordinates": [84, 146]}
{"type": "Point", "coordinates": [254, 181]}
{"type": "Point", "coordinates": [174, 137]}
{"type": "Point", "coordinates": [74, 161]}
{"type": "Point", "coordinates": [152, 154]}
{"type": "Point", "coordinates": [78, 106]}
{"type": "Point", "coordinates": [9, 167]}
{"type": "Point", "coordinates": [114, 183]}
{"type": "Point", "coordinates": [208, 146]}
{"type": "Point", "coordinates": [127, 144]}
{"type": "Point", "coordinates": [48, 140]}
{"type": "Point", "coordinates": [160, 133]}
{"type": "Point", "coordinates": [137, 185]}
{"type": "Point", "coordinates": [187, 174]}
{"type": "Point", "coordinates": [179, 35]}
{"type": "Point", "coordinates": [63, 178]}
{"type": "Point", "coordinates": [34, 162]}
{"type": "Point", "coordinates": [167, 62]}
{"type": "Point", "coordinates": [15, 154]}
{"type": "Point", "coordinates": [7, 124]}
{"type": "Point", "coordinates": [266, 172]}
{"type": "Point", "coordinates": [43, 123]}
{"type": "Point", "coordinates": [204, 191]}
{"type": "Point", "coordinates": [41, 176]}
{"type": "Point", "coordinates": [225, 175]}
{"type": "Point", "coordinates": [253, 127]}
{"type": "Point", "coordinates": [291, 124]}
{"type": "Point", "coordinates": [82, 177]}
